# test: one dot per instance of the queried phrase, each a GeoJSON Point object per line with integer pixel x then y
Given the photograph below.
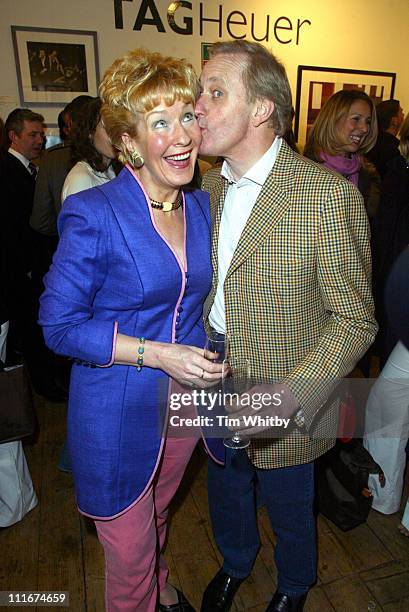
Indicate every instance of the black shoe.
{"type": "Point", "coordinates": [181, 606]}
{"type": "Point", "coordinates": [286, 603]}
{"type": "Point", "coordinates": [220, 592]}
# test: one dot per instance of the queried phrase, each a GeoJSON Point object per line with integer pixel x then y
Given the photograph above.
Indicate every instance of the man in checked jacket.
{"type": "Point", "coordinates": [291, 288]}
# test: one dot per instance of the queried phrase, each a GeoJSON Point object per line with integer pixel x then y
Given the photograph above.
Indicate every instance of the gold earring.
{"type": "Point", "coordinates": [137, 159]}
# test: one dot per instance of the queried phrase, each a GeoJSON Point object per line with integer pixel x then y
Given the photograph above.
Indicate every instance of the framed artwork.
{"type": "Point", "coordinates": [206, 52]}
{"type": "Point", "coordinates": [55, 66]}
{"type": "Point", "coordinates": [316, 84]}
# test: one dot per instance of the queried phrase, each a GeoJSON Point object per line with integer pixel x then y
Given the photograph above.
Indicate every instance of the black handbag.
{"type": "Point", "coordinates": [343, 494]}
{"type": "Point", "coordinates": [17, 416]}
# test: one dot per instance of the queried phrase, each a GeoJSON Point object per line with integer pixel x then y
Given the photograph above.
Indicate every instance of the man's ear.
{"type": "Point", "coordinates": [12, 136]}
{"type": "Point", "coordinates": [263, 109]}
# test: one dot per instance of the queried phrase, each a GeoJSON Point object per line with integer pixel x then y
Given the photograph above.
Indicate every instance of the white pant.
{"type": "Point", "coordinates": [4, 328]}
{"type": "Point", "coordinates": [405, 518]}
{"type": "Point", "coordinates": [17, 496]}
{"type": "Point", "coordinates": [387, 429]}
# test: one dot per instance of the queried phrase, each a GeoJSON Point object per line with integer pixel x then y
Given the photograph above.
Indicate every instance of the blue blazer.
{"type": "Point", "coordinates": [112, 272]}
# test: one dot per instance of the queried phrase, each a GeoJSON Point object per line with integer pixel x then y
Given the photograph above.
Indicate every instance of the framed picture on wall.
{"type": "Point", "coordinates": [55, 66]}
{"type": "Point", "coordinates": [206, 52]}
{"type": "Point", "coordinates": [316, 84]}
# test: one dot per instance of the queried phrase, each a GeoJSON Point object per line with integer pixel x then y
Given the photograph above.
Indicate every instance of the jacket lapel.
{"type": "Point", "coordinates": [129, 207]}
{"type": "Point", "coordinates": [217, 196]}
{"type": "Point", "coordinates": [217, 191]}
{"type": "Point", "coordinates": [269, 208]}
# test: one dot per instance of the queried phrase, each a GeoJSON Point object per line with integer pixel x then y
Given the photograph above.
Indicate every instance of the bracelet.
{"type": "Point", "coordinates": [141, 350]}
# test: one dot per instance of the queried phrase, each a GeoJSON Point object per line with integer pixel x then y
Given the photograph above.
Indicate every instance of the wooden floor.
{"type": "Point", "coordinates": [53, 548]}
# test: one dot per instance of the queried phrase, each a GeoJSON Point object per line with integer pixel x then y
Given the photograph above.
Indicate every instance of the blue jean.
{"type": "Point", "coordinates": [288, 494]}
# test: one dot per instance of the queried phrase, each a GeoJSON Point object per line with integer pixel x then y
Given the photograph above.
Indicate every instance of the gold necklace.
{"type": "Point", "coordinates": [167, 206]}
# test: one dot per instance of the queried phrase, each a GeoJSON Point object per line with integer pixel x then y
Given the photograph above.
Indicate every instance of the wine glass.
{"type": "Point", "coordinates": [236, 382]}
{"type": "Point", "coordinates": [217, 347]}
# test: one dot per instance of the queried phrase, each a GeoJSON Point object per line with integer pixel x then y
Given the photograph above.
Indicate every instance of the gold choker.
{"type": "Point", "coordinates": [167, 206]}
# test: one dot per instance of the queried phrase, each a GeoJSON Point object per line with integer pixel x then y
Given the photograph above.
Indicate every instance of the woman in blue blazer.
{"type": "Point", "coordinates": [124, 299]}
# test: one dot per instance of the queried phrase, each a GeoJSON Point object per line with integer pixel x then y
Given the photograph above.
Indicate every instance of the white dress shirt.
{"type": "Point", "coordinates": [240, 199]}
{"type": "Point", "coordinates": [20, 158]}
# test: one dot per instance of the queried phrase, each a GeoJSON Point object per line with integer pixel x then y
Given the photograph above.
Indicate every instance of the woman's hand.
{"type": "Point", "coordinates": [188, 366]}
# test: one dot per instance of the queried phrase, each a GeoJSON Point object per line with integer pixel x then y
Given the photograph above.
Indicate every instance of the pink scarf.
{"type": "Point", "coordinates": [347, 166]}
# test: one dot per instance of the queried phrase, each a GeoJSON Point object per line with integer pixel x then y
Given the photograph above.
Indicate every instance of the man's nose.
{"type": "Point", "coordinates": [200, 106]}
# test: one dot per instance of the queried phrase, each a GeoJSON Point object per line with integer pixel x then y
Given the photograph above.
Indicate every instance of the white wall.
{"type": "Point", "coordinates": [358, 34]}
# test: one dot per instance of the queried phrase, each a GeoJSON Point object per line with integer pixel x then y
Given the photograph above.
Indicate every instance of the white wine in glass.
{"type": "Point", "coordinates": [236, 382]}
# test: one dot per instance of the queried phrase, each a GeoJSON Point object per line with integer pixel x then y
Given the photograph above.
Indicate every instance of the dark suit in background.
{"type": "Point", "coordinates": [385, 149]}
{"type": "Point", "coordinates": [390, 236]}
{"type": "Point", "coordinates": [55, 165]}
{"type": "Point", "coordinates": [19, 255]}
{"type": "Point", "coordinates": [17, 192]}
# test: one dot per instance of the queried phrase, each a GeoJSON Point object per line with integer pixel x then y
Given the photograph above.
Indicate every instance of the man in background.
{"type": "Point", "coordinates": [25, 132]}
{"type": "Point", "coordinates": [55, 165]}
{"type": "Point", "coordinates": [390, 117]}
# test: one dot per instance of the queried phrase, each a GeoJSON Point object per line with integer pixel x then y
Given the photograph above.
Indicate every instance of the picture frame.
{"type": "Point", "coordinates": [55, 66]}
{"type": "Point", "coordinates": [205, 53]}
{"type": "Point", "coordinates": [315, 84]}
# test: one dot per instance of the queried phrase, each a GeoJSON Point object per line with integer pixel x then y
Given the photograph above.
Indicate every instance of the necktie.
{"type": "Point", "coordinates": [32, 169]}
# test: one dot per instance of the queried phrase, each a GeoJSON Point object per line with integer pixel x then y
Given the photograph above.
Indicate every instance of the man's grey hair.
{"type": "Point", "coordinates": [263, 77]}
{"type": "Point", "coordinates": [15, 120]}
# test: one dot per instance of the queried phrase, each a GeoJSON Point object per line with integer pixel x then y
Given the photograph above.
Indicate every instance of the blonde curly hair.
{"type": "Point", "coordinates": [135, 84]}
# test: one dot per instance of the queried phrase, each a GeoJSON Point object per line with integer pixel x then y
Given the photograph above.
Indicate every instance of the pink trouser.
{"type": "Point", "coordinates": [133, 542]}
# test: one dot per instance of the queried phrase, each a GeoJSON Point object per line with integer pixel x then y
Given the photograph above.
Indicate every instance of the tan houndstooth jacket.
{"type": "Point", "coordinates": [298, 294]}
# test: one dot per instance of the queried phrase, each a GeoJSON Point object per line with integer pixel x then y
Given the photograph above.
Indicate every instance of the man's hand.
{"type": "Point", "coordinates": [262, 408]}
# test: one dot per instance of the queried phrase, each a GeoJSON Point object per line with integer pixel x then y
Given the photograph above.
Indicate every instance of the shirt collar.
{"type": "Point", "coordinates": [20, 157]}
{"type": "Point", "coordinates": [259, 172]}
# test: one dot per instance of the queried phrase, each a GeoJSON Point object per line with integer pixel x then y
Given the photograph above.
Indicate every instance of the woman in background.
{"type": "Point", "coordinates": [344, 130]}
{"type": "Point", "coordinates": [92, 152]}
{"type": "Point", "coordinates": [387, 408]}
{"type": "Point", "coordinates": [397, 309]}
{"type": "Point", "coordinates": [124, 298]}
